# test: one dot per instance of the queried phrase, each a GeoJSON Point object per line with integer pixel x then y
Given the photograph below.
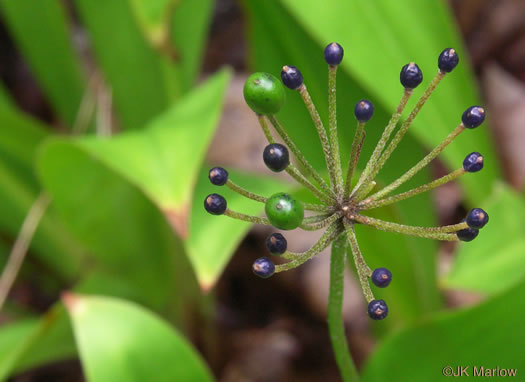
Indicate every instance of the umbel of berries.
{"type": "Point", "coordinates": [346, 198]}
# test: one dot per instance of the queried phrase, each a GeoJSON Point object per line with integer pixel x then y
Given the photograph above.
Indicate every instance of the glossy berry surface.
{"type": "Point", "coordinates": [377, 309]}
{"type": "Point", "coordinates": [448, 60]}
{"type": "Point", "coordinates": [263, 267]}
{"type": "Point", "coordinates": [381, 277]}
{"type": "Point", "coordinates": [291, 77]}
{"type": "Point", "coordinates": [284, 211]}
{"type": "Point", "coordinates": [276, 244]}
{"type": "Point", "coordinates": [363, 110]}
{"type": "Point", "coordinates": [333, 54]}
{"type": "Point", "coordinates": [264, 93]}
{"type": "Point", "coordinates": [411, 76]}
{"type": "Point", "coordinates": [473, 117]}
{"type": "Point", "coordinates": [477, 218]}
{"type": "Point", "coordinates": [473, 162]}
{"type": "Point", "coordinates": [218, 176]}
{"type": "Point", "coordinates": [215, 204]}
{"type": "Point", "coordinates": [467, 234]}
{"type": "Point", "coordinates": [276, 157]}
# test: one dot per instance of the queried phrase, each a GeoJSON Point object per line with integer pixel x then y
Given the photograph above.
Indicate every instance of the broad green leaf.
{"type": "Point", "coordinates": [495, 260]}
{"type": "Point", "coordinates": [142, 82]}
{"type": "Point", "coordinates": [213, 239]}
{"type": "Point", "coordinates": [388, 40]}
{"type": "Point", "coordinates": [124, 232]}
{"type": "Point", "coordinates": [121, 341]}
{"type": "Point", "coordinates": [489, 335]}
{"type": "Point", "coordinates": [41, 31]}
{"type": "Point", "coordinates": [278, 39]}
{"type": "Point", "coordinates": [163, 160]}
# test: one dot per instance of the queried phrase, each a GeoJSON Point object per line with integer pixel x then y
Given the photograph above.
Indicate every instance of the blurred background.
{"type": "Point", "coordinates": [111, 113]}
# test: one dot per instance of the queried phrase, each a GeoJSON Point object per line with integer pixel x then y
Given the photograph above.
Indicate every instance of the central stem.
{"type": "Point", "coordinates": [335, 311]}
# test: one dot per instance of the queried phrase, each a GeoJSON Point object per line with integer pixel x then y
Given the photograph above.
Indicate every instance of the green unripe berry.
{"type": "Point", "coordinates": [264, 93]}
{"type": "Point", "coordinates": [284, 211]}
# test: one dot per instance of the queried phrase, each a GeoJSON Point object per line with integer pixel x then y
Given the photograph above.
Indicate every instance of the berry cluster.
{"type": "Point", "coordinates": [343, 199]}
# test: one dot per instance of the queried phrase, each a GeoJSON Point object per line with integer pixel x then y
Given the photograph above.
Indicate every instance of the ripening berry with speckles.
{"type": "Point", "coordinates": [264, 93]}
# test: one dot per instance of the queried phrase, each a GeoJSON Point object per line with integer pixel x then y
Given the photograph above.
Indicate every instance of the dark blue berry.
{"type": "Point", "coordinates": [377, 309]}
{"type": "Point", "coordinates": [276, 157]}
{"type": "Point", "coordinates": [473, 162]}
{"type": "Point", "coordinates": [291, 77]}
{"type": "Point", "coordinates": [467, 234]}
{"type": "Point", "coordinates": [411, 76]}
{"type": "Point", "coordinates": [333, 54]}
{"type": "Point", "coordinates": [215, 204]}
{"type": "Point", "coordinates": [477, 218]}
{"type": "Point", "coordinates": [364, 110]}
{"type": "Point", "coordinates": [473, 117]}
{"type": "Point", "coordinates": [218, 176]}
{"type": "Point", "coordinates": [448, 60]}
{"type": "Point", "coordinates": [276, 244]}
{"type": "Point", "coordinates": [263, 267]}
{"type": "Point", "coordinates": [381, 277]}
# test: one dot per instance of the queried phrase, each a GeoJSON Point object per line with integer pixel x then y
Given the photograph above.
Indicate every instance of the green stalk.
{"type": "Point", "coordinates": [355, 151]}
{"type": "Point", "coordinates": [298, 154]}
{"type": "Point", "coordinates": [336, 324]}
{"type": "Point", "coordinates": [246, 218]}
{"type": "Point", "coordinates": [325, 143]}
{"type": "Point", "coordinates": [321, 224]}
{"type": "Point", "coordinates": [363, 270]}
{"type": "Point", "coordinates": [332, 130]}
{"type": "Point", "coordinates": [250, 195]}
{"type": "Point", "coordinates": [438, 233]}
{"type": "Point", "coordinates": [296, 174]}
{"type": "Point", "coordinates": [369, 203]}
{"type": "Point", "coordinates": [421, 164]}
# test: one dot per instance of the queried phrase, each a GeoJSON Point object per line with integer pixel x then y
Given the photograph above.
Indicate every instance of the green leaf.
{"type": "Point", "coordinates": [281, 40]}
{"type": "Point", "coordinates": [137, 348]}
{"type": "Point", "coordinates": [489, 335]}
{"type": "Point", "coordinates": [494, 261]}
{"type": "Point", "coordinates": [213, 239]}
{"type": "Point", "coordinates": [41, 31]}
{"type": "Point", "coordinates": [142, 82]}
{"type": "Point", "coordinates": [378, 43]}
